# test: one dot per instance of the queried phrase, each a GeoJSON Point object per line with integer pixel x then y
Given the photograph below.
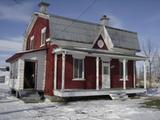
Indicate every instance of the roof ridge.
{"type": "Point", "coordinates": [124, 30]}
{"type": "Point", "coordinates": [73, 19]}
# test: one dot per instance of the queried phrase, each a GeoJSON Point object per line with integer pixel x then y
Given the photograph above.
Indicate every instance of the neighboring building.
{"type": "Point", "coordinates": [4, 75]}
{"type": "Point", "coordinates": [67, 57]}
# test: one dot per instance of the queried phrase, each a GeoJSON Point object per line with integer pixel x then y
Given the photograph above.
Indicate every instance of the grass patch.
{"type": "Point", "coordinates": [152, 103]}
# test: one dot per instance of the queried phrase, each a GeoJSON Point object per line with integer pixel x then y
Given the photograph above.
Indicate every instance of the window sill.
{"type": "Point", "coordinates": [78, 79]}
{"type": "Point", "coordinates": [42, 45]}
{"type": "Point", "coordinates": [122, 79]}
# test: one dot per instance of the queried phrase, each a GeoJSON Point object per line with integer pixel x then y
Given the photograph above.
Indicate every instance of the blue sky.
{"type": "Point", "coordinates": [141, 16]}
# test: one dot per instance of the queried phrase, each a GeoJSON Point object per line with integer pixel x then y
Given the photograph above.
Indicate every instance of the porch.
{"type": "Point", "coordinates": [93, 92]}
{"type": "Point", "coordinates": [105, 67]}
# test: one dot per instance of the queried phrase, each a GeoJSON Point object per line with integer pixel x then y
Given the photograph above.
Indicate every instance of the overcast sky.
{"type": "Point", "coordinates": [141, 16]}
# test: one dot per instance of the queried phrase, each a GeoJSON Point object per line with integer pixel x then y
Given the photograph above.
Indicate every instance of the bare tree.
{"type": "Point", "coordinates": [150, 52]}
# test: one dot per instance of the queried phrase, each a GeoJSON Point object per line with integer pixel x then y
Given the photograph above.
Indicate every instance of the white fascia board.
{"type": "Point", "coordinates": [97, 37]}
{"type": "Point", "coordinates": [103, 32]}
{"type": "Point", "coordinates": [138, 58]}
{"type": "Point", "coordinates": [107, 38]}
{"type": "Point", "coordinates": [124, 50]}
{"type": "Point", "coordinates": [70, 43]}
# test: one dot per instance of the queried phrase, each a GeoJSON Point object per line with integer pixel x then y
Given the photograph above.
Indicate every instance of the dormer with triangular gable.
{"type": "Point", "coordinates": [103, 40]}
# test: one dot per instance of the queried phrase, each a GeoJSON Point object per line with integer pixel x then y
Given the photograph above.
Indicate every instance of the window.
{"type": "Point", "coordinates": [121, 70]}
{"type": "Point", "coordinates": [14, 70]}
{"type": "Point", "coordinates": [43, 36]}
{"type": "Point", "coordinates": [78, 69]}
{"type": "Point", "coordinates": [32, 42]}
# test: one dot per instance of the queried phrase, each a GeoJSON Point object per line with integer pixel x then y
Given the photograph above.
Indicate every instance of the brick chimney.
{"type": "Point", "coordinates": [43, 7]}
{"type": "Point", "coordinates": [104, 20]}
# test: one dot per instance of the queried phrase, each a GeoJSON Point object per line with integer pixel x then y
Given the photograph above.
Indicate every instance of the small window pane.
{"type": "Point", "coordinates": [43, 37]}
{"type": "Point", "coordinates": [78, 68]}
{"type": "Point", "coordinates": [75, 68]}
{"type": "Point", "coordinates": [105, 70]}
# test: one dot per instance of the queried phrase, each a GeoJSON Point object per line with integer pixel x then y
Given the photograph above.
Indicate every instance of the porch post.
{"type": "Point", "coordinates": [124, 74]}
{"type": "Point", "coordinates": [134, 74]}
{"type": "Point", "coordinates": [145, 74]}
{"type": "Point", "coordinates": [55, 71]}
{"type": "Point", "coordinates": [63, 70]}
{"type": "Point", "coordinates": [97, 73]}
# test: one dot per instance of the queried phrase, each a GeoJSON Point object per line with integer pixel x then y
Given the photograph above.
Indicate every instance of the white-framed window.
{"type": "Point", "coordinates": [78, 69]}
{"type": "Point", "coordinates": [32, 42]}
{"type": "Point", "coordinates": [14, 70]}
{"type": "Point", "coordinates": [121, 70]}
{"type": "Point", "coordinates": [43, 36]}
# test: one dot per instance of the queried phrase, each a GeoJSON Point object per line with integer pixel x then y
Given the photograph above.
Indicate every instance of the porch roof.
{"type": "Point", "coordinates": [99, 53]}
{"type": "Point", "coordinates": [19, 54]}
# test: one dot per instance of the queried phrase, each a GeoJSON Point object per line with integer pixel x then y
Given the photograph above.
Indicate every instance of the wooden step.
{"type": "Point", "coordinates": [118, 95]}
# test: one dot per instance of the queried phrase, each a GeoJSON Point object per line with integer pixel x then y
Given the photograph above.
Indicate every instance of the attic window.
{"type": "Point", "coordinates": [43, 36]}
{"type": "Point", "coordinates": [32, 42]}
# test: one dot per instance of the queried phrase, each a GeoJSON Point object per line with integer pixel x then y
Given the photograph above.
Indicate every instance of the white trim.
{"type": "Point", "coordinates": [95, 40]}
{"type": "Point", "coordinates": [134, 74]}
{"type": "Point", "coordinates": [97, 73]}
{"type": "Point", "coordinates": [32, 42]}
{"type": "Point", "coordinates": [106, 54]}
{"type": "Point", "coordinates": [145, 74]}
{"type": "Point", "coordinates": [32, 38]}
{"type": "Point", "coordinates": [126, 68]}
{"type": "Point", "coordinates": [55, 71]}
{"type": "Point", "coordinates": [43, 30]}
{"type": "Point", "coordinates": [106, 38]}
{"type": "Point", "coordinates": [78, 79]}
{"type": "Point", "coordinates": [48, 40]}
{"type": "Point", "coordinates": [93, 92]}
{"type": "Point", "coordinates": [63, 71]}
{"type": "Point", "coordinates": [124, 74]}
{"type": "Point", "coordinates": [43, 39]}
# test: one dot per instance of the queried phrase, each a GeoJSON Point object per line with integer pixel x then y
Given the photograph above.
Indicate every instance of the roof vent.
{"type": "Point", "coordinates": [104, 20]}
{"type": "Point", "coordinates": [43, 6]}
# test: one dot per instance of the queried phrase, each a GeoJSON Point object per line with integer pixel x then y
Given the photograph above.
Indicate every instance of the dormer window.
{"type": "Point", "coordinates": [43, 36]}
{"type": "Point", "coordinates": [32, 42]}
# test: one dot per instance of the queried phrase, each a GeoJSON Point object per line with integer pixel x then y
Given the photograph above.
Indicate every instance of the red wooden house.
{"type": "Point", "coordinates": [66, 57]}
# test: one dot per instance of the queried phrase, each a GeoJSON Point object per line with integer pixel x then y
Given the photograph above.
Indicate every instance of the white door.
{"type": "Point", "coordinates": [105, 75]}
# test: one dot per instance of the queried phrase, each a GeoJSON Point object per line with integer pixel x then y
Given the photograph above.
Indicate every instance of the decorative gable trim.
{"type": "Point", "coordinates": [106, 38]}
{"type": "Point", "coordinates": [100, 44]}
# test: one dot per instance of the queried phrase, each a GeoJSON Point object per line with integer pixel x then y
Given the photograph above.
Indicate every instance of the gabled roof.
{"type": "Point", "coordinates": [123, 38]}
{"type": "Point", "coordinates": [19, 54]}
{"type": "Point", "coordinates": [67, 29]}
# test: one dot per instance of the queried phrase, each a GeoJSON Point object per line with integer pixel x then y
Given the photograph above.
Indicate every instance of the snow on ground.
{"type": "Point", "coordinates": [12, 108]}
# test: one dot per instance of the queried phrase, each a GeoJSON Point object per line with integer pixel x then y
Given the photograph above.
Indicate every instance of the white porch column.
{"type": "Point", "coordinates": [145, 74]}
{"type": "Point", "coordinates": [134, 74]}
{"type": "Point", "coordinates": [97, 73]}
{"type": "Point", "coordinates": [124, 74]}
{"type": "Point", "coordinates": [63, 70]}
{"type": "Point", "coordinates": [55, 71]}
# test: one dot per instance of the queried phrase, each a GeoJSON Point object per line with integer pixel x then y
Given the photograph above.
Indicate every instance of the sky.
{"type": "Point", "coordinates": [141, 16]}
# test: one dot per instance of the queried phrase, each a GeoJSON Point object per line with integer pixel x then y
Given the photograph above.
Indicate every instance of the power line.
{"type": "Point", "coordinates": [85, 10]}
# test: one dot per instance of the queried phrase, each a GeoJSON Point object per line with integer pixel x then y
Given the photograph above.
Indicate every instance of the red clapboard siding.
{"type": "Point", "coordinates": [115, 77]}
{"type": "Point", "coordinates": [36, 31]}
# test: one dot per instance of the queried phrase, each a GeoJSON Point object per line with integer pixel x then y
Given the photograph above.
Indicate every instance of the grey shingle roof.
{"type": "Point", "coordinates": [123, 38]}
{"type": "Point", "coordinates": [68, 29]}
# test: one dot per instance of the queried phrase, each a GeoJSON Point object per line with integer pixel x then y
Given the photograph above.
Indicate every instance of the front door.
{"type": "Point", "coordinates": [105, 75]}
{"type": "Point", "coordinates": [29, 75]}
